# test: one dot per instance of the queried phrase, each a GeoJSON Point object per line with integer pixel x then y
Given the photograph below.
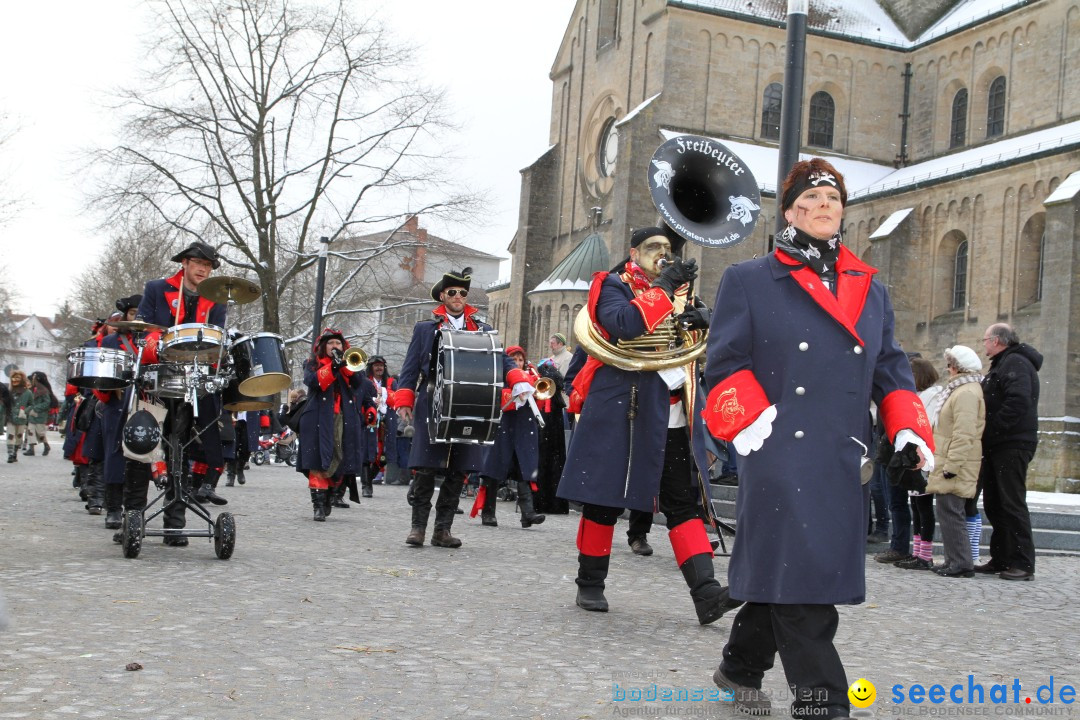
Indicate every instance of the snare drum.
{"type": "Point", "coordinates": [170, 381]}
{"type": "Point", "coordinates": [182, 343]}
{"type": "Point", "coordinates": [261, 365]}
{"type": "Point", "coordinates": [467, 388]}
{"type": "Point", "coordinates": [100, 368]}
{"type": "Point", "coordinates": [235, 401]}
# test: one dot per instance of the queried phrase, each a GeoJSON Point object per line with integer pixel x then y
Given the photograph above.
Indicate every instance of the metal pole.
{"type": "Point", "coordinates": [324, 248]}
{"type": "Point", "coordinates": [791, 102]}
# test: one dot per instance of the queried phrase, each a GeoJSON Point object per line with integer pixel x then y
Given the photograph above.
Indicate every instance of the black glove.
{"type": "Point", "coordinates": [901, 469]}
{"type": "Point", "coordinates": [695, 318]}
{"type": "Point", "coordinates": [337, 359]}
{"type": "Point", "coordinates": [679, 272]}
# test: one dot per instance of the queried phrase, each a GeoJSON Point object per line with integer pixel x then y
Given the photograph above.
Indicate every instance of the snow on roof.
{"type": "Point", "coordinates": [576, 269]}
{"type": "Point", "coordinates": [1013, 148]}
{"type": "Point", "coordinates": [762, 161]}
{"type": "Point", "coordinates": [858, 19]}
{"type": "Point", "coordinates": [890, 223]}
{"type": "Point", "coordinates": [629, 116]}
{"type": "Point", "coordinates": [1065, 191]}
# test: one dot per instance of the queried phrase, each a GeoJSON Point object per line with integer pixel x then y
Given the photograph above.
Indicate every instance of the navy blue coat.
{"type": "Point", "coordinates": [463, 457]}
{"type": "Point", "coordinates": [599, 459]}
{"type": "Point", "coordinates": [518, 434]}
{"type": "Point", "coordinates": [317, 422]}
{"type": "Point", "coordinates": [157, 304]}
{"type": "Point", "coordinates": [113, 418]}
{"type": "Point", "coordinates": [801, 509]}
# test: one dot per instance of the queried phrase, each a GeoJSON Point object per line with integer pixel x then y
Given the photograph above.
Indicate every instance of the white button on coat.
{"type": "Point", "coordinates": [800, 391]}
{"type": "Point", "coordinates": [804, 346]}
{"type": "Point", "coordinates": [798, 434]}
{"type": "Point", "coordinates": [858, 350]}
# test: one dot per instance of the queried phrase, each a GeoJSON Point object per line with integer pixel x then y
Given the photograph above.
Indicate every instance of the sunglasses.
{"type": "Point", "coordinates": [454, 292]}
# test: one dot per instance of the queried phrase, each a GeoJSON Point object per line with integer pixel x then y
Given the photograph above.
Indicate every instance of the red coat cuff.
{"type": "Point", "coordinates": [325, 374]}
{"type": "Point", "coordinates": [516, 376]}
{"type": "Point", "coordinates": [150, 351]}
{"type": "Point", "coordinates": [655, 306]}
{"type": "Point", "coordinates": [404, 398]}
{"type": "Point", "coordinates": [70, 390]}
{"type": "Point", "coordinates": [103, 395]}
{"type": "Point", "coordinates": [733, 405]}
{"type": "Point", "coordinates": [903, 409]}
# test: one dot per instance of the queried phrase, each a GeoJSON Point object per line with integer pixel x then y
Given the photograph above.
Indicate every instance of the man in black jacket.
{"type": "Point", "coordinates": [1011, 391]}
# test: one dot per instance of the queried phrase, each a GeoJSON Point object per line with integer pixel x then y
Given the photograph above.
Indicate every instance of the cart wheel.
{"type": "Point", "coordinates": [224, 535]}
{"type": "Point", "coordinates": [258, 457]}
{"type": "Point", "coordinates": [131, 530]}
{"type": "Point", "coordinates": [291, 460]}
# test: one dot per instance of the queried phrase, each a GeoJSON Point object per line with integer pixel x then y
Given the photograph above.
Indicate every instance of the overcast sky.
{"type": "Point", "coordinates": [62, 58]}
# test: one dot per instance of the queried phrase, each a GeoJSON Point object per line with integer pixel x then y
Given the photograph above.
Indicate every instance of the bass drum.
{"type": "Point", "coordinates": [261, 365]}
{"type": "Point", "coordinates": [235, 401]}
{"type": "Point", "coordinates": [99, 368]}
{"type": "Point", "coordinates": [466, 388]}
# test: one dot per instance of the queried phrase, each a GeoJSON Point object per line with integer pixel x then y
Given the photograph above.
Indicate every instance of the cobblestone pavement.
{"type": "Point", "coordinates": [343, 620]}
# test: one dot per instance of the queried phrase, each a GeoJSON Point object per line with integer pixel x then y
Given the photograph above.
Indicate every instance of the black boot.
{"type": "Point", "coordinates": [711, 599]}
{"type": "Point", "coordinates": [525, 501]}
{"type": "Point", "coordinates": [30, 450]}
{"type": "Point", "coordinates": [337, 498]}
{"type": "Point", "coordinates": [328, 501]}
{"type": "Point", "coordinates": [318, 503]}
{"type": "Point", "coordinates": [94, 485]}
{"type": "Point", "coordinates": [592, 571]}
{"type": "Point", "coordinates": [230, 477]}
{"type": "Point", "coordinates": [365, 483]}
{"type": "Point", "coordinates": [45, 450]}
{"type": "Point", "coordinates": [11, 455]}
{"type": "Point", "coordinates": [487, 511]}
{"type": "Point", "coordinates": [114, 506]}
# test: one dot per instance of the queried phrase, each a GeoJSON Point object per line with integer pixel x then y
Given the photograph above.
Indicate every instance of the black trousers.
{"type": "Point", "coordinates": [803, 636]}
{"type": "Point", "coordinates": [423, 487]}
{"type": "Point", "coordinates": [1003, 477]}
{"type": "Point", "coordinates": [679, 499]}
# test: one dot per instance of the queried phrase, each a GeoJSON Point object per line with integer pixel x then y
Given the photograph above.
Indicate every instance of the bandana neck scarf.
{"type": "Point", "coordinates": [637, 278]}
{"type": "Point", "coordinates": [819, 255]}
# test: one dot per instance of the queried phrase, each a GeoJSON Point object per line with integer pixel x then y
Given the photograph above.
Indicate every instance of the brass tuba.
{"type": "Point", "coordinates": [707, 195]}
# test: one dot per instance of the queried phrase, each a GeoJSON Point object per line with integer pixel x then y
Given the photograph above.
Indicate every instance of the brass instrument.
{"type": "Point", "coordinates": [545, 389]}
{"type": "Point", "coordinates": [355, 359]}
{"type": "Point", "coordinates": [693, 181]}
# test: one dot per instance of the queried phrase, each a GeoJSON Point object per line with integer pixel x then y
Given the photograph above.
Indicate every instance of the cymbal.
{"type": "Point", "coordinates": [136, 326]}
{"type": "Point", "coordinates": [224, 288]}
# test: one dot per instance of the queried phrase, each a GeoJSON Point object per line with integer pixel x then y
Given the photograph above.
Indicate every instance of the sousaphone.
{"type": "Point", "coordinates": [707, 195]}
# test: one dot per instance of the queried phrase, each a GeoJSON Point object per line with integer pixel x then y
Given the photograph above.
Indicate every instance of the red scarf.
{"type": "Point", "coordinates": [636, 277]}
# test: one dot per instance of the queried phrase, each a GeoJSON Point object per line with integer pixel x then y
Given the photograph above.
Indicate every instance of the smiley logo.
{"type": "Point", "coordinates": [862, 693]}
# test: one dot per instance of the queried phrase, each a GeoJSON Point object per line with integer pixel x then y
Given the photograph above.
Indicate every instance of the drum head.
{"type": "Point", "coordinates": [268, 384]}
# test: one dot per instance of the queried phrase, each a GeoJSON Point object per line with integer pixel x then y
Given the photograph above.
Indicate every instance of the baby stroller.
{"type": "Point", "coordinates": [280, 447]}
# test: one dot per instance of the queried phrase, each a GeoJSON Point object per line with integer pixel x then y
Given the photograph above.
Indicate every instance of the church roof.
{"type": "Point", "coordinates": [576, 269]}
{"type": "Point", "coordinates": [866, 20]}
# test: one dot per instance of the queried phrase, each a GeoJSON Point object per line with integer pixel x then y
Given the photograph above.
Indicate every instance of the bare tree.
{"type": "Point", "coordinates": [263, 125]}
{"type": "Point", "coordinates": [9, 202]}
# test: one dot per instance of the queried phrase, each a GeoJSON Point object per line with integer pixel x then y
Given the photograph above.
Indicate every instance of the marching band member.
{"type": "Point", "coordinates": [639, 420]}
{"type": "Point", "coordinates": [175, 301]}
{"type": "Point", "coordinates": [112, 418]}
{"type": "Point", "coordinates": [803, 345]}
{"type": "Point", "coordinates": [517, 444]}
{"type": "Point", "coordinates": [453, 460]}
{"type": "Point", "coordinates": [331, 422]}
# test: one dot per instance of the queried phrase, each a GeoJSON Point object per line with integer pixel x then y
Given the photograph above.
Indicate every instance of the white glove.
{"type": "Point", "coordinates": [752, 436]}
{"type": "Point", "coordinates": [905, 437]}
{"type": "Point", "coordinates": [521, 392]}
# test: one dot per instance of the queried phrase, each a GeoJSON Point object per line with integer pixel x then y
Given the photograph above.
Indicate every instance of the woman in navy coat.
{"type": "Point", "coordinates": [800, 344]}
{"type": "Point", "coordinates": [331, 421]}
{"type": "Point", "coordinates": [516, 442]}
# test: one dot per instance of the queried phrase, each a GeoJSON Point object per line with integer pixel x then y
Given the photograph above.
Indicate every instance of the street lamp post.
{"type": "Point", "coordinates": [324, 247]}
{"type": "Point", "coordinates": [791, 101]}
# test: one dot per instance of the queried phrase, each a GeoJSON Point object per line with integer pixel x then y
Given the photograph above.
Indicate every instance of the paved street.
{"type": "Point", "coordinates": [343, 620]}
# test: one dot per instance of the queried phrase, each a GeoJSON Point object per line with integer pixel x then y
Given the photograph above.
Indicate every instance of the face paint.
{"type": "Point", "coordinates": [648, 254]}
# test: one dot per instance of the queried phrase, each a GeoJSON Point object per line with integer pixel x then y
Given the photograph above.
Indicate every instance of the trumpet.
{"type": "Point", "coordinates": [545, 389]}
{"type": "Point", "coordinates": [355, 359]}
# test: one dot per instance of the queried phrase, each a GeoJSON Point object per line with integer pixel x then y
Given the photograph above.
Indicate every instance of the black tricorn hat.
{"type": "Point", "coordinates": [461, 279]}
{"type": "Point", "coordinates": [126, 303]}
{"type": "Point", "coordinates": [199, 250]}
